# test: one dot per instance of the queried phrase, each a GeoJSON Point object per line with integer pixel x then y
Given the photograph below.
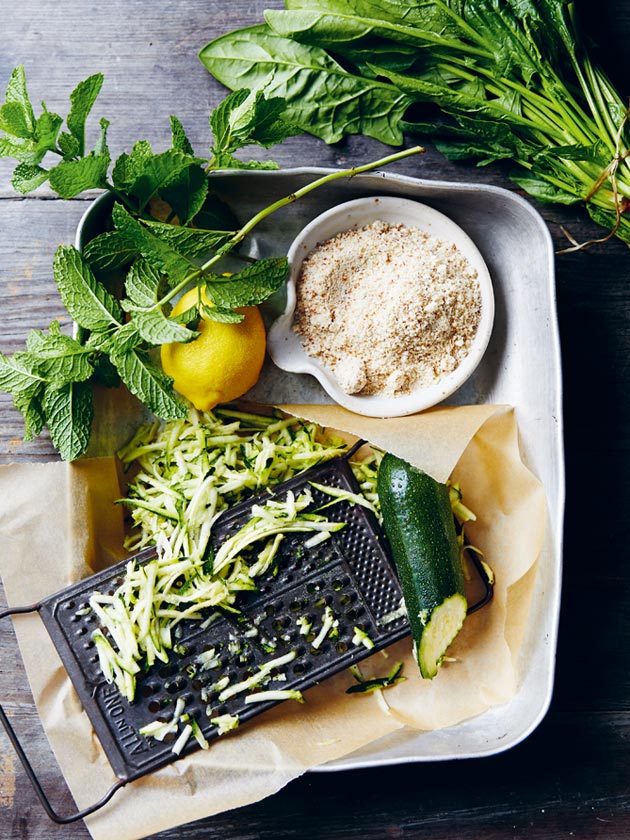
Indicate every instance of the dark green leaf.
{"type": "Point", "coordinates": [87, 300]}
{"type": "Point", "coordinates": [105, 373]}
{"type": "Point", "coordinates": [321, 97]}
{"type": "Point", "coordinates": [33, 414]}
{"type": "Point", "coordinates": [216, 214]}
{"type": "Point", "coordinates": [144, 175]}
{"type": "Point", "coordinates": [180, 140]}
{"type": "Point", "coordinates": [148, 382]}
{"type": "Point", "coordinates": [186, 193]}
{"type": "Point", "coordinates": [71, 177]}
{"type": "Point", "coordinates": [543, 190]}
{"type": "Point", "coordinates": [249, 287]}
{"type": "Point", "coordinates": [69, 411]}
{"type": "Point", "coordinates": [595, 153]}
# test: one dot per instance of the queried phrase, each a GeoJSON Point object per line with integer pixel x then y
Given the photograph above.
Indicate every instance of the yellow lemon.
{"type": "Point", "coordinates": [222, 363]}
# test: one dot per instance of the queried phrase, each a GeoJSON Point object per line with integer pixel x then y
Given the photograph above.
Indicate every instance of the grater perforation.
{"type": "Point", "coordinates": [305, 612]}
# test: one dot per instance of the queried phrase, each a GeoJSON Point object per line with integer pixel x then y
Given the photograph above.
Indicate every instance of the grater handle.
{"type": "Point", "coordinates": [17, 746]}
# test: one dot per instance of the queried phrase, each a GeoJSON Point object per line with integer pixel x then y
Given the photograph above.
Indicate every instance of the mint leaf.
{"type": "Point", "coordinates": [57, 358]}
{"type": "Point", "coordinates": [128, 166]}
{"type": "Point", "coordinates": [13, 120]}
{"type": "Point", "coordinates": [246, 118]}
{"type": "Point", "coordinates": [68, 145]}
{"type": "Point", "coordinates": [31, 409]}
{"type": "Point", "coordinates": [222, 314]}
{"type": "Point", "coordinates": [18, 94]}
{"type": "Point", "coordinates": [109, 251]}
{"type": "Point", "coordinates": [226, 160]}
{"type": "Point", "coordinates": [18, 378]}
{"type": "Point", "coordinates": [149, 383]}
{"type": "Point", "coordinates": [180, 140]}
{"type": "Point", "coordinates": [42, 381]}
{"type": "Point", "coordinates": [224, 120]}
{"type": "Point", "coordinates": [250, 286]}
{"type": "Point", "coordinates": [24, 151]}
{"type": "Point", "coordinates": [69, 411]}
{"type": "Point", "coordinates": [138, 236]}
{"type": "Point", "coordinates": [71, 177]}
{"type": "Point", "coordinates": [191, 242]}
{"type": "Point", "coordinates": [156, 328]}
{"type": "Point", "coordinates": [26, 387]}
{"type": "Point", "coordinates": [82, 99]}
{"type": "Point", "coordinates": [143, 175]}
{"type": "Point", "coordinates": [121, 340]}
{"type": "Point", "coordinates": [143, 285]}
{"type": "Point", "coordinates": [87, 301]}
{"type": "Point", "coordinates": [216, 214]}
{"type": "Point", "coordinates": [187, 193]}
{"type": "Point", "coordinates": [26, 177]}
{"type": "Point", "coordinates": [101, 147]}
{"type": "Point", "coordinates": [46, 130]}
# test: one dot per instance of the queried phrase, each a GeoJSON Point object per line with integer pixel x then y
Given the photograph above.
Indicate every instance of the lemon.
{"type": "Point", "coordinates": [222, 363]}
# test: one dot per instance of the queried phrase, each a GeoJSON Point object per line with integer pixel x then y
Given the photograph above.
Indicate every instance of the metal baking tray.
{"type": "Point", "coordinates": [521, 368]}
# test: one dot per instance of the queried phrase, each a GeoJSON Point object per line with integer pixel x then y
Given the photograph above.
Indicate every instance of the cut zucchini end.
{"type": "Point", "coordinates": [445, 623]}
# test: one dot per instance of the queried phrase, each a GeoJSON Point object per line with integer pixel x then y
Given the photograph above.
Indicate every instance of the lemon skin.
{"type": "Point", "coordinates": [222, 363]}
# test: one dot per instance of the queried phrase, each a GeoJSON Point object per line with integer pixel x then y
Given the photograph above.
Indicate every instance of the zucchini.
{"type": "Point", "coordinates": [420, 528]}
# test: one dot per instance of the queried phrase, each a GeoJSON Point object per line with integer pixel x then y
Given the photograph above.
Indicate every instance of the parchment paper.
{"type": "Point", "coordinates": [58, 523]}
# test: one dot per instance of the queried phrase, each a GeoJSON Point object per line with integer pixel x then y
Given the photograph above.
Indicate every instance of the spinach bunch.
{"type": "Point", "coordinates": [511, 78]}
{"type": "Point", "coordinates": [167, 232]}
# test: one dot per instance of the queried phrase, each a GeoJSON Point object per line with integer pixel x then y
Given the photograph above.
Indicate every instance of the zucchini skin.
{"type": "Point", "coordinates": [419, 524]}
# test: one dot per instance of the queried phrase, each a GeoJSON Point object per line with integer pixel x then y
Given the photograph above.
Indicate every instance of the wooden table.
{"type": "Point", "coordinates": [570, 778]}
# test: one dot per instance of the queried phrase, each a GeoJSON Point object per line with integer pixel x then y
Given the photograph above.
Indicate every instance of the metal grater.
{"type": "Point", "coordinates": [350, 573]}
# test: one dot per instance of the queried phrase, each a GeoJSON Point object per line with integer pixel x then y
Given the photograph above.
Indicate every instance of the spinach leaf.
{"type": "Point", "coordinates": [321, 97]}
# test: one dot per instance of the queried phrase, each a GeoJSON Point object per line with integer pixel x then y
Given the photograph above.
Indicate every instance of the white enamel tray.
{"type": "Point", "coordinates": [521, 367]}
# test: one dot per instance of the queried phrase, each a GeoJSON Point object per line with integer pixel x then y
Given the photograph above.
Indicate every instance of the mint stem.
{"type": "Point", "coordinates": [283, 202]}
{"type": "Point", "coordinates": [289, 199]}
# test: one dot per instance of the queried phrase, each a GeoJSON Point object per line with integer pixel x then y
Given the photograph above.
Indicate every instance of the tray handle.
{"type": "Point", "coordinates": [17, 746]}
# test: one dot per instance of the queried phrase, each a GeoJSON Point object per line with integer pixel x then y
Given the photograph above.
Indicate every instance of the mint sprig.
{"type": "Point", "coordinates": [166, 234]}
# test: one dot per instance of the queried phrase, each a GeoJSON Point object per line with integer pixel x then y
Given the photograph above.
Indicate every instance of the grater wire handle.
{"type": "Point", "coordinates": [26, 764]}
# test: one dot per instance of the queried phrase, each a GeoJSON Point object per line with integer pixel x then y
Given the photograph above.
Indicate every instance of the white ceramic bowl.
{"type": "Point", "coordinates": [285, 346]}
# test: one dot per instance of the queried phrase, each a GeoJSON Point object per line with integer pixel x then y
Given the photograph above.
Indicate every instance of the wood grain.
{"type": "Point", "coordinates": [571, 777]}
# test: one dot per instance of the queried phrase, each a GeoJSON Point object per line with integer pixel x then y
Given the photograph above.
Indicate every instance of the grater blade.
{"type": "Point", "coordinates": [349, 575]}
